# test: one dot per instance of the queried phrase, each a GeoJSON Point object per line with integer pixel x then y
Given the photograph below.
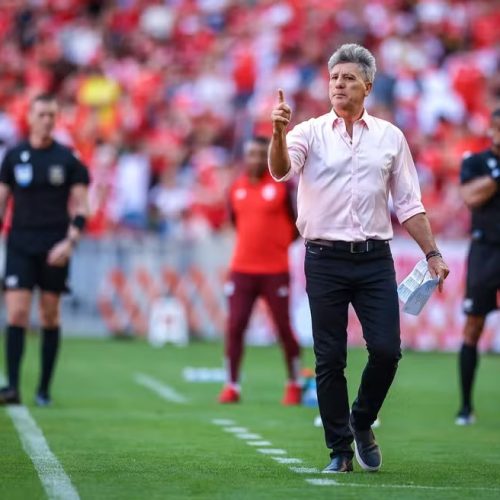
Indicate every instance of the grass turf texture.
{"type": "Point", "coordinates": [117, 439]}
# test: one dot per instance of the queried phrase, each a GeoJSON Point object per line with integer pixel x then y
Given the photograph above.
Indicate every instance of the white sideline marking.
{"type": "Point", "coordinates": [323, 482]}
{"type": "Point", "coordinates": [304, 470]}
{"type": "Point", "coordinates": [222, 421]}
{"type": "Point", "coordinates": [236, 430]}
{"type": "Point", "coordinates": [55, 481]}
{"type": "Point", "coordinates": [164, 391]}
{"type": "Point", "coordinates": [271, 451]}
{"type": "Point", "coordinates": [286, 460]}
{"type": "Point", "coordinates": [332, 482]}
{"type": "Point", "coordinates": [242, 433]}
{"type": "Point", "coordinates": [248, 435]}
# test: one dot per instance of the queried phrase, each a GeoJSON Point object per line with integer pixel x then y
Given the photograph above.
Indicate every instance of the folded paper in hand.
{"type": "Point", "coordinates": [414, 291]}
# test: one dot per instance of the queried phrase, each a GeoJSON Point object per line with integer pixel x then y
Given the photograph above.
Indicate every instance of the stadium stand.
{"type": "Point", "coordinates": [158, 96]}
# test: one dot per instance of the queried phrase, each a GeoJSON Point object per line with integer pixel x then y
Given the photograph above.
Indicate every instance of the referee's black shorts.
{"type": "Point", "coordinates": [25, 271]}
{"type": "Point", "coordinates": [483, 279]}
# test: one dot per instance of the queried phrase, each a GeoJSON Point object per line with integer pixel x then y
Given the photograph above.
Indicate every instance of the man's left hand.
{"type": "Point", "coordinates": [438, 269]}
{"type": "Point", "coordinates": [60, 253]}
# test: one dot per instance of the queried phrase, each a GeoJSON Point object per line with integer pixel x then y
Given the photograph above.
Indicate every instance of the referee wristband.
{"type": "Point", "coordinates": [79, 221]}
{"type": "Point", "coordinates": [433, 253]}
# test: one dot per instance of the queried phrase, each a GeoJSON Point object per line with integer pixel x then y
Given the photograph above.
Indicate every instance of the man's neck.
{"type": "Point", "coordinates": [349, 117]}
{"type": "Point", "coordinates": [495, 150]}
{"type": "Point", "coordinates": [40, 142]}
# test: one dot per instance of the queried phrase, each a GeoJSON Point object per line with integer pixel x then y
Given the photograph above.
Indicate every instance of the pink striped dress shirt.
{"type": "Point", "coordinates": [344, 184]}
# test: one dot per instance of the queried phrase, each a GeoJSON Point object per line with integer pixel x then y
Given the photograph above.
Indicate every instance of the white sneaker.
{"type": "Point", "coordinates": [465, 418]}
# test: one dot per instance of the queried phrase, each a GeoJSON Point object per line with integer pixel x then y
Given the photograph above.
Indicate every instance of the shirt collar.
{"type": "Point", "coordinates": [365, 118]}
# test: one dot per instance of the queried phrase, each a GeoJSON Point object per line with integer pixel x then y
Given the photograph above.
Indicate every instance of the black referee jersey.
{"type": "Point", "coordinates": [40, 180]}
{"type": "Point", "coordinates": [485, 222]}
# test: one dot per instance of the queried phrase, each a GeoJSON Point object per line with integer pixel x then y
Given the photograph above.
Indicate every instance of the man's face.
{"type": "Point", "coordinates": [495, 132]}
{"type": "Point", "coordinates": [347, 89]}
{"type": "Point", "coordinates": [255, 158]}
{"type": "Point", "coordinates": [42, 118]}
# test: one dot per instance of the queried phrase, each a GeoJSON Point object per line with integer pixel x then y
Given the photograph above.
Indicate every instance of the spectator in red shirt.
{"type": "Point", "coordinates": [262, 213]}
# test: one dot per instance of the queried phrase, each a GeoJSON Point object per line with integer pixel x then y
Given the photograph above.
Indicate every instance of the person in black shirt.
{"type": "Point", "coordinates": [480, 181]}
{"type": "Point", "coordinates": [45, 180]}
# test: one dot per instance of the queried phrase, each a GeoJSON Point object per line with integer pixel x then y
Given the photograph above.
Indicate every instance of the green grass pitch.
{"type": "Point", "coordinates": [119, 440]}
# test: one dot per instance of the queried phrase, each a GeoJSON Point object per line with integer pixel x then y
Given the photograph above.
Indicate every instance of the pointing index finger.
{"type": "Point", "coordinates": [281, 96]}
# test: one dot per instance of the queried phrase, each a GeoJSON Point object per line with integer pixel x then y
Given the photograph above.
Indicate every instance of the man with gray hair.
{"type": "Point", "coordinates": [348, 163]}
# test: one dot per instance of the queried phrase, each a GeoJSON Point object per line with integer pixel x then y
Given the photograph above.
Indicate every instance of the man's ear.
{"type": "Point", "coordinates": [368, 88]}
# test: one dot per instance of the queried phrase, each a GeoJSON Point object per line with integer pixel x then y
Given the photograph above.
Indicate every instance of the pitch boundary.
{"type": "Point", "coordinates": [55, 481]}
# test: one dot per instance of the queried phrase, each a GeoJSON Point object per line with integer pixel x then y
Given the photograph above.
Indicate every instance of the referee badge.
{"type": "Point", "coordinates": [23, 173]}
{"type": "Point", "coordinates": [492, 163]}
{"type": "Point", "coordinates": [56, 175]}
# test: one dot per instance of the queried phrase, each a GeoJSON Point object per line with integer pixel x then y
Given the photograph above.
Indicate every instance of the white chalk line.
{"type": "Point", "coordinates": [222, 421]}
{"type": "Point", "coordinates": [255, 440]}
{"type": "Point", "coordinates": [287, 460]}
{"type": "Point", "coordinates": [271, 451]}
{"type": "Point", "coordinates": [55, 481]}
{"type": "Point", "coordinates": [277, 455]}
{"type": "Point", "coordinates": [304, 470]}
{"type": "Point", "coordinates": [333, 482]}
{"type": "Point", "coordinates": [164, 391]}
{"type": "Point", "coordinates": [259, 443]}
{"type": "Point", "coordinates": [236, 430]}
{"type": "Point", "coordinates": [248, 435]}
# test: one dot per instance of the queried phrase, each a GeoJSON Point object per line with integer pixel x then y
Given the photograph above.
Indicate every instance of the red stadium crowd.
{"type": "Point", "coordinates": [158, 96]}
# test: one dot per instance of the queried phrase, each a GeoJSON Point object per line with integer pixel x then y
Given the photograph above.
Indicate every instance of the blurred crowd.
{"type": "Point", "coordinates": [158, 96]}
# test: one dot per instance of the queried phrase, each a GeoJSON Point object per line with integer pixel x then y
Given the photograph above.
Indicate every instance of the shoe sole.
{"type": "Point", "coordinates": [362, 464]}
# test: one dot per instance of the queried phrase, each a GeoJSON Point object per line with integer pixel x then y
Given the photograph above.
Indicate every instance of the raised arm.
{"type": "Point", "coordinates": [279, 159]}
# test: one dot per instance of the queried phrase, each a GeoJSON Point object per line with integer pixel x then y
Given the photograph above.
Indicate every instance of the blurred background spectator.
{"type": "Point", "coordinates": [158, 96]}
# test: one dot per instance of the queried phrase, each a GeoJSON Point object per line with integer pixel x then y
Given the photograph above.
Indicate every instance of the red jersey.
{"type": "Point", "coordinates": [265, 225]}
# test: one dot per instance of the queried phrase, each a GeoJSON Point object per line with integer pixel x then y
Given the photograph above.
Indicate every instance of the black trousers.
{"type": "Point", "coordinates": [334, 279]}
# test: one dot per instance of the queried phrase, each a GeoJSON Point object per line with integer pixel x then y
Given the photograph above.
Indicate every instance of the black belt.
{"type": "Point", "coordinates": [351, 246]}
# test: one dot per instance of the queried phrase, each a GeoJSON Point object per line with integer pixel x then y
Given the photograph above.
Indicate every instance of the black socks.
{"type": "Point", "coordinates": [468, 363]}
{"type": "Point", "coordinates": [14, 348]}
{"type": "Point", "coordinates": [49, 349]}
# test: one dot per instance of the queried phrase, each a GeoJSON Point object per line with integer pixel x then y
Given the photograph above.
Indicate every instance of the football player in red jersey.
{"type": "Point", "coordinates": [262, 213]}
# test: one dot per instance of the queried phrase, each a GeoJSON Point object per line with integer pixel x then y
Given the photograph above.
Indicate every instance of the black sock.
{"type": "Point", "coordinates": [468, 363]}
{"type": "Point", "coordinates": [14, 348]}
{"type": "Point", "coordinates": [49, 350]}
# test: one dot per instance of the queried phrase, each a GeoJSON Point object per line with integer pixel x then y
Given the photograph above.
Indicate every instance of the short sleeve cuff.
{"type": "Point", "coordinates": [404, 215]}
{"type": "Point", "coordinates": [285, 178]}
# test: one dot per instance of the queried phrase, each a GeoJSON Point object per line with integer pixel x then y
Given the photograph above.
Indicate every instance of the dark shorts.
{"type": "Point", "coordinates": [24, 271]}
{"type": "Point", "coordinates": [483, 279]}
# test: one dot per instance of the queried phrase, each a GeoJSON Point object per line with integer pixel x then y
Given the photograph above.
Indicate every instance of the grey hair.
{"type": "Point", "coordinates": [354, 53]}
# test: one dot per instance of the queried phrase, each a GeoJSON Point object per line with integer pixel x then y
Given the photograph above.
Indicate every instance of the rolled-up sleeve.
{"type": "Point", "coordinates": [297, 141]}
{"type": "Point", "coordinates": [404, 185]}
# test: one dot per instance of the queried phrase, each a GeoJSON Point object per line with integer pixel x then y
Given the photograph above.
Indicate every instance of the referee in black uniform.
{"type": "Point", "coordinates": [45, 179]}
{"type": "Point", "coordinates": [480, 181]}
